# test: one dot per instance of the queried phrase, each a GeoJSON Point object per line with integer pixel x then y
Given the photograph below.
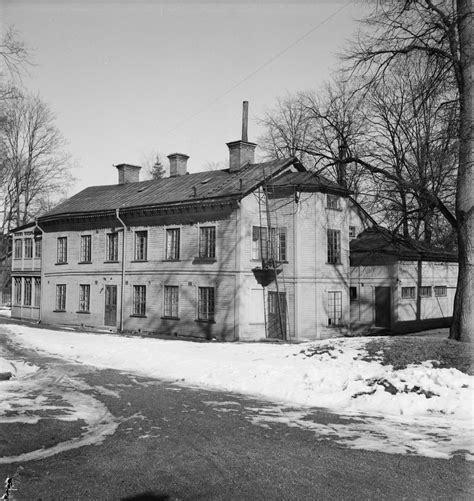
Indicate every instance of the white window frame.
{"type": "Point", "coordinates": [139, 301]}
{"type": "Point", "coordinates": [111, 247]}
{"type": "Point", "coordinates": [61, 250]}
{"type": "Point", "coordinates": [207, 242]}
{"type": "Point", "coordinates": [171, 301]}
{"type": "Point", "coordinates": [61, 292]}
{"type": "Point", "coordinates": [84, 298]}
{"type": "Point", "coordinates": [86, 249]}
{"type": "Point", "coordinates": [334, 246]}
{"type": "Point", "coordinates": [141, 245]}
{"type": "Point", "coordinates": [173, 242]}
{"type": "Point", "coordinates": [334, 308]}
{"type": "Point", "coordinates": [206, 310]}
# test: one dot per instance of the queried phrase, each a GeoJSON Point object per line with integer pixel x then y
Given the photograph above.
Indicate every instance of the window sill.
{"type": "Point", "coordinates": [204, 260]}
{"type": "Point", "coordinates": [117, 261]}
{"type": "Point", "coordinates": [169, 318]}
{"type": "Point", "coordinates": [84, 312]}
{"type": "Point", "coordinates": [334, 264]}
{"type": "Point", "coordinates": [59, 311]}
{"type": "Point", "coordinates": [61, 263]}
{"type": "Point", "coordinates": [139, 261]}
{"type": "Point", "coordinates": [171, 260]}
{"type": "Point", "coordinates": [334, 208]}
{"type": "Point", "coordinates": [84, 262]}
{"type": "Point", "coordinates": [202, 321]}
{"type": "Point", "coordinates": [138, 316]}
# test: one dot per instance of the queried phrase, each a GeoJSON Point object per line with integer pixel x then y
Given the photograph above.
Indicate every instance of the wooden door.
{"type": "Point", "coordinates": [276, 317]}
{"type": "Point", "coordinates": [383, 307]}
{"type": "Point", "coordinates": [110, 305]}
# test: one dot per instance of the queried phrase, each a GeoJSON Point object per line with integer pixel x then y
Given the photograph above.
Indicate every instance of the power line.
{"type": "Point", "coordinates": [260, 68]}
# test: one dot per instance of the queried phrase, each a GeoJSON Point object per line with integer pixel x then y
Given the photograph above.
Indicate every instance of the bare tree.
{"type": "Point", "coordinates": [442, 32]}
{"type": "Point", "coordinates": [35, 168]}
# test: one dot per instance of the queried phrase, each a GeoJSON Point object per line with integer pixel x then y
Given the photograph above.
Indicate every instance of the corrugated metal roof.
{"type": "Point", "coordinates": [172, 190]}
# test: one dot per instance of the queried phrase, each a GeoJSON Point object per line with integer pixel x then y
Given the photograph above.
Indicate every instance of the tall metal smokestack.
{"type": "Point", "coordinates": [245, 120]}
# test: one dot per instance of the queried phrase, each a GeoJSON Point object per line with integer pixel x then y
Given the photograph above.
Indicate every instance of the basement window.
{"type": "Point", "coordinates": [408, 292]}
{"type": "Point", "coordinates": [425, 291]}
{"type": "Point", "coordinates": [440, 290]}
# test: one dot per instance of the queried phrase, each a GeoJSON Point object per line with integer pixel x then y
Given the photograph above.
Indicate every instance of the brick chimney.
{"type": "Point", "coordinates": [241, 152]}
{"type": "Point", "coordinates": [178, 163]}
{"type": "Point", "coordinates": [128, 173]}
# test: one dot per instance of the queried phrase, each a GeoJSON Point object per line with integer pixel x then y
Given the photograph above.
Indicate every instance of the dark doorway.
{"type": "Point", "coordinates": [110, 305]}
{"type": "Point", "coordinates": [383, 307]}
{"type": "Point", "coordinates": [277, 315]}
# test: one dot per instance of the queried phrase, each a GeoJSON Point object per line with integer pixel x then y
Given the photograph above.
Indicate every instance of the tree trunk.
{"type": "Point", "coordinates": [463, 316]}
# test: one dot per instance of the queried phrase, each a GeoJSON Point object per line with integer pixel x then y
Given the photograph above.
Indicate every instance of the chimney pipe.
{"type": "Point", "coordinates": [128, 173]}
{"type": "Point", "coordinates": [178, 164]}
{"type": "Point", "coordinates": [245, 120]}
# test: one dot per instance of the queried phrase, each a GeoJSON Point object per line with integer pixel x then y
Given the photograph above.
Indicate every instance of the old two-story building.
{"type": "Point", "coordinates": [257, 250]}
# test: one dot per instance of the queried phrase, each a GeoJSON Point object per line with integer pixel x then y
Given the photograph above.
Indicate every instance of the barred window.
{"type": "Point", "coordinates": [86, 248]}
{"type": "Point", "coordinates": [171, 308]}
{"type": "Point", "coordinates": [28, 248]}
{"type": "Point", "coordinates": [17, 287]}
{"type": "Point", "coordinates": [18, 248]}
{"type": "Point", "coordinates": [37, 292]}
{"type": "Point", "coordinates": [441, 290]}
{"type": "Point", "coordinates": [332, 202]}
{"type": "Point", "coordinates": [408, 292]}
{"type": "Point", "coordinates": [206, 303]}
{"type": "Point", "coordinates": [61, 297]}
{"type": "Point", "coordinates": [425, 291]}
{"type": "Point", "coordinates": [27, 296]}
{"type": "Point", "coordinates": [172, 243]}
{"type": "Point", "coordinates": [141, 238]}
{"type": "Point", "coordinates": [111, 247]}
{"type": "Point", "coordinates": [334, 308]}
{"type": "Point", "coordinates": [334, 246]}
{"type": "Point", "coordinates": [38, 242]}
{"type": "Point", "coordinates": [62, 250]}
{"type": "Point", "coordinates": [207, 242]}
{"type": "Point", "coordinates": [139, 300]}
{"type": "Point", "coordinates": [84, 297]}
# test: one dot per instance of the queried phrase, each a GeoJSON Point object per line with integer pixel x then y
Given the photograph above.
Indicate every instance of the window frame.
{"type": "Point", "coordinates": [85, 255]}
{"type": "Point", "coordinates": [28, 248]}
{"type": "Point", "coordinates": [38, 247]}
{"type": "Point", "coordinates": [207, 242]}
{"type": "Point", "coordinates": [171, 301]}
{"type": "Point", "coordinates": [27, 291]}
{"type": "Point", "coordinates": [334, 251]}
{"type": "Point", "coordinates": [269, 247]}
{"type": "Point", "coordinates": [333, 202]}
{"type": "Point", "coordinates": [17, 285]}
{"type": "Point", "coordinates": [353, 293]}
{"type": "Point", "coordinates": [84, 298]}
{"type": "Point", "coordinates": [408, 292]}
{"type": "Point", "coordinates": [352, 231]}
{"type": "Point", "coordinates": [139, 301]}
{"type": "Point", "coordinates": [37, 291]}
{"type": "Point", "coordinates": [334, 308]}
{"type": "Point", "coordinates": [60, 304]}
{"type": "Point", "coordinates": [112, 247]}
{"type": "Point", "coordinates": [172, 244]}
{"type": "Point", "coordinates": [61, 256]}
{"type": "Point", "coordinates": [18, 248]}
{"type": "Point", "coordinates": [440, 290]}
{"type": "Point", "coordinates": [423, 291]}
{"type": "Point", "coordinates": [141, 245]}
{"type": "Point", "coordinates": [206, 304]}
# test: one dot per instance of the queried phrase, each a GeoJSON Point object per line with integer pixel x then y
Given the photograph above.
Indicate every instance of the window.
{"type": "Point", "coordinates": [334, 308]}
{"type": "Point", "coordinates": [353, 293]}
{"type": "Point", "coordinates": [171, 301]}
{"type": "Point", "coordinates": [61, 297]}
{"type": "Point", "coordinates": [141, 238]}
{"type": "Point", "coordinates": [206, 303]}
{"type": "Point", "coordinates": [207, 242]}
{"type": "Point", "coordinates": [84, 297]}
{"type": "Point", "coordinates": [265, 247]}
{"type": "Point", "coordinates": [18, 248]}
{"type": "Point", "coordinates": [440, 290]}
{"type": "Point", "coordinates": [172, 244]}
{"type": "Point", "coordinates": [27, 291]}
{"type": "Point", "coordinates": [38, 242]}
{"type": "Point", "coordinates": [86, 246]}
{"type": "Point", "coordinates": [17, 286]}
{"type": "Point", "coordinates": [408, 292]}
{"type": "Point", "coordinates": [334, 246]}
{"type": "Point", "coordinates": [139, 300]}
{"type": "Point", "coordinates": [37, 296]}
{"type": "Point", "coordinates": [62, 250]}
{"type": "Point", "coordinates": [425, 291]}
{"type": "Point", "coordinates": [352, 232]}
{"type": "Point", "coordinates": [28, 248]}
{"type": "Point", "coordinates": [111, 247]}
{"type": "Point", "coordinates": [332, 202]}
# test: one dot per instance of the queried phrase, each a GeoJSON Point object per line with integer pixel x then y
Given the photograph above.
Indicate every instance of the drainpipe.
{"type": "Point", "coordinates": [41, 271]}
{"type": "Point", "coordinates": [122, 292]}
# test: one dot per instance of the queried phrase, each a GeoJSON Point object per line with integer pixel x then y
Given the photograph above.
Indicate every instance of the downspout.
{"type": "Point", "coordinates": [122, 284]}
{"type": "Point", "coordinates": [41, 271]}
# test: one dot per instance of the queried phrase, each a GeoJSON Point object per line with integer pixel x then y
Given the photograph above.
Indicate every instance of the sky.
{"type": "Point", "coordinates": [129, 78]}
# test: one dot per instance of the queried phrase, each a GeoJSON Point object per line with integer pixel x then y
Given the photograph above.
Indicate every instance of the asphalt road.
{"type": "Point", "coordinates": [174, 442]}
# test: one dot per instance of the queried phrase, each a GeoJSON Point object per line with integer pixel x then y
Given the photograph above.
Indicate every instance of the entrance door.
{"type": "Point", "coordinates": [277, 315]}
{"type": "Point", "coordinates": [110, 305]}
{"type": "Point", "coordinates": [383, 308]}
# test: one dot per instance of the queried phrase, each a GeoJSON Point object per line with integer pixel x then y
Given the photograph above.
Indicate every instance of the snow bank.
{"type": "Point", "coordinates": [436, 404]}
